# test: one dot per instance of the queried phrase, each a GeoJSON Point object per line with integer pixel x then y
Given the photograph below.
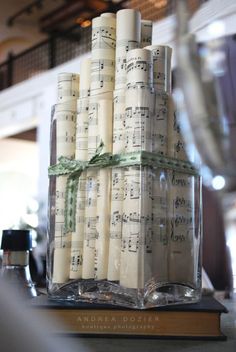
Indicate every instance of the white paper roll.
{"type": "Point", "coordinates": [81, 152]}
{"type": "Point", "coordinates": [103, 54]}
{"type": "Point", "coordinates": [139, 68]}
{"type": "Point", "coordinates": [176, 146]}
{"type": "Point", "coordinates": [146, 33]}
{"type": "Point", "coordinates": [181, 228]}
{"type": "Point", "coordinates": [128, 25]}
{"type": "Point", "coordinates": [161, 67]}
{"type": "Point", "coordinates": [77, 237]}
{"type": "Point", "coordinates": [128, 36]}
{"type": "Point", "coordinates": [68, 87]}
{"type": "Point", "coordinates": [105, 113]}
{"type": "Point", "coordinates": [85, 78]}
{"type": "Point", "coordinates": [90, 231]}
{"type": "Point", "coordinates": [159, 129]}
{"type": "Point", "coordinates": [118, 121]}
{"type": "Point", "coordinates": [117, 188]}
{"type": "Point", "coordinates": [159, 226]}
{"type": "Point", "coordinates": [116, 213]}
{"type": "Point", "coordinates": [65, 117]}
{"type": "Point", "coordinates": [136, 248]}
{"type": "Point", "coordinates": [108, 14]}
{"type": "Point", "coordinates": [139, 110]}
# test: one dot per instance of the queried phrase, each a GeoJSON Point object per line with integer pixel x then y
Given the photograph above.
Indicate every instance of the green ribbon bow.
{"type": "Point", "coordinates": [74, 169]}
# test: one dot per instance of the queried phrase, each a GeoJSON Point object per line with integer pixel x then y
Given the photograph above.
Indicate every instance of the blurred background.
{"type": "Point", "coordinates": [39, 39]}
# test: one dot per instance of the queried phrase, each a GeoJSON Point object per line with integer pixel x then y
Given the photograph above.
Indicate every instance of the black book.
{"type": "Point", "coordinates": [186, 321]}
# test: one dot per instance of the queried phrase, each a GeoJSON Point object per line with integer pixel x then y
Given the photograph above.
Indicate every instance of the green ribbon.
{"type": "Point", "coordinates": [74, 168]}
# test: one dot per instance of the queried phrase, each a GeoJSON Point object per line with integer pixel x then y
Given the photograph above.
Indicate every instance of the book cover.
{"type": "Point", "coordinates": [189, 321]}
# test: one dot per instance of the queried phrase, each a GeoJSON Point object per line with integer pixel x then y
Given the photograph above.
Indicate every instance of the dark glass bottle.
{"type": "Point", "coordinates": [16, 245]}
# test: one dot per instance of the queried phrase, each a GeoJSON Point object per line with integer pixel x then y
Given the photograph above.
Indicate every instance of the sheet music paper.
{"type": "Point", "coordinates": [85, 78]}
{"type": "Point", "coordinates": [176, 146]}
{"type": "Point", "coordinates": [117, 189]}
{"type": "Point", "coordinates": [105, 112]}
{"type": "Point", "coordinates": [159, 128]}
{"type": "Point", "coordinates": [81, 153]}
{"type": "Point", "coordinates": [159, 226]}
{"type": "Point", "coordinates": [65, 116]}
{"type": "Point", "coordinates": [90, 230]}
{"type": "Point", "coordinates": [139, 68]}
{"type": "Point", "coordinates": [146, 33]}
{"type": "Point", "coordinates": [136, 246]}
{"type": "Point", "coordinates": [161, 67]}
{"type": "Point", "coordinates": [128, 36]}
{"type": "Point", "coordinates": [181, 208]}
{"type": "Point", "coordinates": [68, 87]}
{"type": "Point", "coordinates": [181, 228]}
{"type": "Point", "coordinates": [139, 111]}
{"type": "Point", "coordinates": [103, 54]}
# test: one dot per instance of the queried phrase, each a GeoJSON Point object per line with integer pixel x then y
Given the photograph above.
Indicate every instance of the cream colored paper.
{"type": "Point", "coordinates": [68, 87]}
{"type": "Point", "coordinates": [139, 68]}
{"type": "Point", "coordinates": [159, 226]}
{"type": "Point", "coordinates": [176, 146]}
{"type": "Point", "coordinates": [81, 153]}
{"type": "Point", "coordinates": [128, 36]}
{"type": "Point", "coordinates": [90, 231]}
{"type": "Point", "coordinates": [65, 116]}
{"type": "Point", "coordinates": [181, 228]}
{"type": "Point", "coordinates": [117, 189]}
{"type": "Point", "coordinates": [136, 247]}
{"type": "Point", "coordinates": [117, 195]}
{"type": "Point", "coordinates": [108, 14]}
{"type": "Point", "coordinates": [85, 78]}
{"type": "Point", "coordinates": [180, 208]}
{"type": "Point", "coordinates": [103, 54]}
{"type": "Point", "coordinates": [159, 128]}
{"type": "Point", "coordinates": [146, 33]}
{"type": "Point", "coordinates": [105, 112]}
{"type": "Point", "coordinates": [94, 139]}
{"type": "Point", "coordinates": [118, 121]}
{"type": "Point", "coordinates": [161, 67]}
{"type": "Point", "coordinates": [139, 110]}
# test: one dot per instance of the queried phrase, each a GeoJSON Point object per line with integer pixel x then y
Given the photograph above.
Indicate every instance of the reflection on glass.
{"type": "Point", "coordinates": [203, 72]}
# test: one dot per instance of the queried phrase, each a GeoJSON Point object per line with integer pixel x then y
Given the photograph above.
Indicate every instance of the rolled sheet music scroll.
{"type": "Point", "coordinates": [181, 228]}
{"type": "Point", "coordinates": [176, 146]}
{"type": "Point", "coordinates": [181, 207]}
{"type": "Point", "coordinates": [90, 230]}
{"type": "Point", "coordinates": [128, 36]}
{"type": "Point", "coordinates": [85, 78]}
{"type": "Point", "coordinates": [146, 33]}
{"type": "Point", "coordinates": [160, 121]}
{"type": "Point", "coordinates": [117, 189]}
{"type": "Point", "coordinates": [68, 87]}
{"type": "Point", "coordinates": [161, 67]}
{"type": "Point", "coordinates": [103, 54]}
{"type": "Point", "coordinates": [160, 239]}
{"type": "Point", "coordinates": [105, 111]}
{"type": "Point", "coordinates": [80, 154]}
{"type": "Point", "coordinates": [139, 68]}
{"type": "Point", "coordinates": [139, 111]}
{"type": "Point", "coordinates": [65, 117]}
{"type": "Point", "coordinates": [136, 247]}
{"type": "Point", "coordinates": [91, 196]}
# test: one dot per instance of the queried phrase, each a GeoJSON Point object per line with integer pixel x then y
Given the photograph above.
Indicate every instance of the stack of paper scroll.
{"type": "Point", "coordinates": [134, 225]}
